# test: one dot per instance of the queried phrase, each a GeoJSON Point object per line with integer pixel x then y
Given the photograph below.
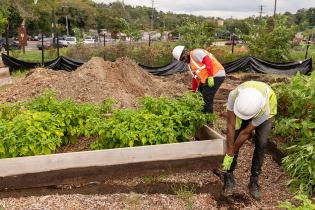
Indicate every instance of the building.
{"type": "Point", "coordinates": [220, 22]}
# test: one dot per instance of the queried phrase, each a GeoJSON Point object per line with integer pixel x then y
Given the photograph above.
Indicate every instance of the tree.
{"type": "Point", "coordinates": [271, 44]}
{"type": "Point", "coordinates": [3, 21]}
{"type": "Point", "coordinates": [118, 25]}
{"type": "Point", "coordinates": [195, 34]}
{"type": "Point", "coordinates": [133, 32]}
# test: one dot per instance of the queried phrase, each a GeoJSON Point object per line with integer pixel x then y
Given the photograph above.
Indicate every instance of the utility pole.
{"type": "Point", "coordinates": [152, 16]}
{"type": "Point", "coordinates": [275, 10]}
{"type": "Point", "coordinates": [260, 11]}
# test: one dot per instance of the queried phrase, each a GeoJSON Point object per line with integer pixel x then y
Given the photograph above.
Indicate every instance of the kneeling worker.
{"type": "Point", "coordinates": [251, 107]}
{"type": "Point", "coordinates": [208, 73]}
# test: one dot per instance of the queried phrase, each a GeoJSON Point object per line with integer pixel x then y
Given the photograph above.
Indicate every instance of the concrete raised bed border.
{"type": "Point", "coordinates": [78, 167]}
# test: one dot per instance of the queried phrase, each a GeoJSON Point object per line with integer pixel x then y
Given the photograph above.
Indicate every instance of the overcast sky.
{"type": "Point", "coordinates": [222, 8]}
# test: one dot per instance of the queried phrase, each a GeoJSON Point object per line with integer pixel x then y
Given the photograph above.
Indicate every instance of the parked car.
{"type": "Point", "coordinates": [48, 43]}
{"type": "Point", "coordinates": [88, 40]}
{"type": "Point", "coordinates": [35, 38]}
{"type": "Point", "coordinates": [71, 40]}
{"type": "Point", "coordinates": [62, 42]}
{"type": "Point", "coordinates": [13, 45]}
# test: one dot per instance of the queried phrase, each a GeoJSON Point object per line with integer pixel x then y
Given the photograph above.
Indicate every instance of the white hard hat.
{"type": "Point", "coordinates": [177, 51]}
{"type": "Point", "coordinates": [248, 103]}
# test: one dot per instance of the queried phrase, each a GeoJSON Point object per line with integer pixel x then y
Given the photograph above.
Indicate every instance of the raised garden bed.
{"type": "Point", "coordinates": [89, 166]}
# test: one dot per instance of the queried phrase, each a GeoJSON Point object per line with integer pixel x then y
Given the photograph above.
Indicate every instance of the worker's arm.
{"type": "Point", "coordinates": [244, 135]}
{"type": "Point", "coordinates": [208, 62]}
{"type": "Point", "coordinates": [231, 119]}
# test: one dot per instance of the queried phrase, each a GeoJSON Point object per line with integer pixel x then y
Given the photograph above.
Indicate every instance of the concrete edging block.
{"type": "Point", "coordinates": [112, 157]}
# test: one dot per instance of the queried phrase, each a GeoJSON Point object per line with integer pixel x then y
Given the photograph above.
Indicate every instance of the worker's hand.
{"type": "Point", "coordinates": [210, 81]}
{"type": "Point", "coordinates": [227, 162]}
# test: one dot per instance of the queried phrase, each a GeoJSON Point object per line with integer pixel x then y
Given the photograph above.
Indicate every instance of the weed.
{"type": "Point", "coordinates": [154, 179]}
{"type": "Point", "coordinates": [186, 193]}
{"type": "Point", "coordinates": [304, 203]}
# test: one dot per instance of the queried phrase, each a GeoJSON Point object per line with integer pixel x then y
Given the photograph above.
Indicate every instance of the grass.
{"type": "Point", "coordinates": [298, 53]}
{"type": "Point", "coordinates": [154, 179]}
{"type": "Point", "coordinates": [185, 193]}
{"type": "Point", "coordinates": [36, 55]}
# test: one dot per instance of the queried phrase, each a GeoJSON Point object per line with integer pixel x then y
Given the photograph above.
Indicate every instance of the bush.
{"type": "Point", "coordinates": [158, 54]}
{"type": "Point", "coordinates": [43, 125]}
{"type": "Point", "coordinates": [296, 122]}
{"type": "Point", "coordinates": [159, 121]}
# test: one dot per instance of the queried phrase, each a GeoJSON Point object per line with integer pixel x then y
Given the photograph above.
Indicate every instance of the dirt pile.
{"type": "Point", "coordinates": [95, 81]}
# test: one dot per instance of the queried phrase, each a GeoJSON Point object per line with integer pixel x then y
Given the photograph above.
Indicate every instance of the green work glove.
{"type": "Point", "coordinates": [210, 81]}
{"type": "Point", "coordinates": [227, 162]}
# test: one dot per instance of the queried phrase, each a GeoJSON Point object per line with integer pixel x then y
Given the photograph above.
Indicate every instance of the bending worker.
{"type": "Point", "coordinates": [251, 107]}
{"type": "Point", "coordinates": [208, 73]}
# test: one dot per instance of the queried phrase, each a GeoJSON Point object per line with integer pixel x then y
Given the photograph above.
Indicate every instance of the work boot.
{"type": "Point", "coordinates": [229, 183]}
{"type": "Point", "coordinates": [253, 188]}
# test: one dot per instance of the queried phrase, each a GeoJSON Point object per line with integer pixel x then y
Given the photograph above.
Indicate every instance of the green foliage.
{"type": "Point", "coordinates": [305, 204]}
{"type": "Point", "coordinates": [159, 121]}
{"type": "Point", "coordinates": [78, 35]}
{"type": "Point", "coordinates": [296, 122]}
{"type": "Point", "coordinates": [3, 22]}
{"type": "Point", "coordinates": [195, 34]}
{"type": "Point", "coordinates": [132, 32]}
{"type": "Point", "coordinates": [30, 133]}
{"type": "Point", "coordinates": [159, 54]}
{"type": "Point", "coordinates": [76, 118]}
{"type": "Point", "coordinates": [44, 124]}
{"type": "Point", "coordinates": [271, 43]}
{"type": "Point", "coordinates": [186, 193]}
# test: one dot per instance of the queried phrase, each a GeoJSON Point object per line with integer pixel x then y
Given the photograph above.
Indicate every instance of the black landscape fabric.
{"type": "Point", "coordinates": [246, 63]}
{"type": "Point", "coordinates": [60, 63]}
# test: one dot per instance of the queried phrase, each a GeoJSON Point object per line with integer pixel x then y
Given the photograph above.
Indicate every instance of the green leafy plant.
{"type": "Point", "coordinates": [304, 204]}
{"type": "Point", "coordinates": [158, 121]}
{"type": "Point", "coordinates": [44, 124]}
{"type": "Point", "coordinates": [296, 123]}
{"type": "Point", "coordinates": [77, 118]}
{"type": "Point", "coordinates": [30, 133]}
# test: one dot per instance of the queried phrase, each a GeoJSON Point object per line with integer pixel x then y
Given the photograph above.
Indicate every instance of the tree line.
{"type": "Point", "coordinates": [51, 16]}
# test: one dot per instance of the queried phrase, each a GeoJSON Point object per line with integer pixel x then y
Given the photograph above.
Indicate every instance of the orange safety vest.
{"type": "Point", "coordinates": [199, 69]}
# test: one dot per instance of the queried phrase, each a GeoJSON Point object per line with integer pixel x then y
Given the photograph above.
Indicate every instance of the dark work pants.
{"type": "Point", "coordinates": [208, 93]}
{"type": "Point", "coordinates": [261, 139]}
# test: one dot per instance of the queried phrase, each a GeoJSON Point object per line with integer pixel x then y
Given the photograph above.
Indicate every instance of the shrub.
{"type": "Point", "coordinates": [158, 54]}
{"type": "Point", "coordinates": [159, 121]}
{"type": "Point", "coordinates": [296, 122]}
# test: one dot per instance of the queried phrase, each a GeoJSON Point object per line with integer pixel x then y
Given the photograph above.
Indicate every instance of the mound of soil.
{"type": "Point", "coordinates": [95, 81]}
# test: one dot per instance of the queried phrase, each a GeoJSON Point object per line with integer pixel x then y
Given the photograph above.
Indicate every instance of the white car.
{"type": "Point", "coordinates": [63, 43]}
{"type": "Point", "coordinates": [71, 40]}
{"type": "Point", "coordinates": [89, 40]}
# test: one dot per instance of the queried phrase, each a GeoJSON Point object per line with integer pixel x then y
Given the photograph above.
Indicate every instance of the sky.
{"type": "Point", "coordinates": [222, 8]}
